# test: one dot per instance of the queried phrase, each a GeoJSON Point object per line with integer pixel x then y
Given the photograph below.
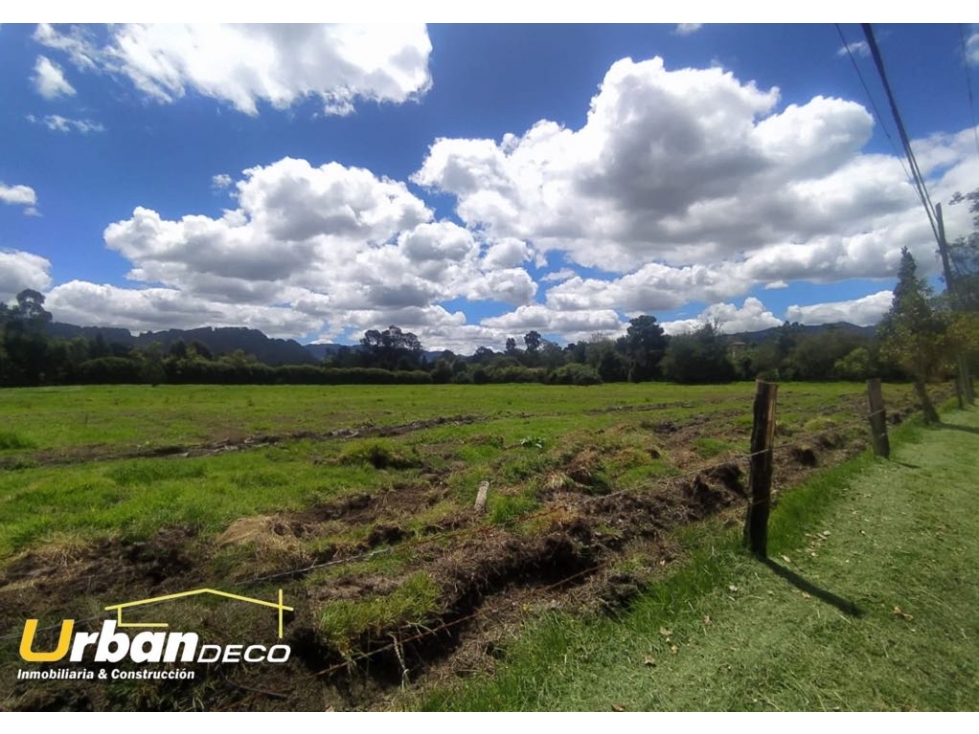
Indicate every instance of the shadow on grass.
{"type": "Point", "coordinates": [844, 605]}
{"type": "Point", "coordinates": [905, 464]}
{"type": "Point", "coordinates": [953, 427]}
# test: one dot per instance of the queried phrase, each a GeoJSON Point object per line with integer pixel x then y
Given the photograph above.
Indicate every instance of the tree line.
{"type": "Point", "coordinates": [29, 356]}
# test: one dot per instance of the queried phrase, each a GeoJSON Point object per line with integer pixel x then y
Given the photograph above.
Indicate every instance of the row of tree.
{"type": "Point", "coordinates": [29, 356]}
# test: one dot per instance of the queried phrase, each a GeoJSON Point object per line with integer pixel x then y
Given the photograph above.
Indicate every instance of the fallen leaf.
{"type": "Point", "coordinates": [805, 595]}
{"type": "Point", "coordinates": [618, 707]}
{"type": "Point", "coordinates": [898, 612]}
{"type": "Point", "coordinates": [665, 632]}
{"type": "Point", "coordinates": [707, 620]}
{"type": "Point", "coordinates": [674, 649]}
{"type": "Point", "coordinates": [786, 559]}
{"type": "Point", "coordinates": [651, 662]}
{"type": "Point", "coordinates": [732, 587]}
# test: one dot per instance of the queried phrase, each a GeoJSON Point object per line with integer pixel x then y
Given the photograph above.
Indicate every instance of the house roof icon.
{"type": "Point", "coordinates": [196, 592]}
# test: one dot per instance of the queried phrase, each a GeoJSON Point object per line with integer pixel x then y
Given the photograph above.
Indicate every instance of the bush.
{"type": "Point", "coordinates": [575, 374]}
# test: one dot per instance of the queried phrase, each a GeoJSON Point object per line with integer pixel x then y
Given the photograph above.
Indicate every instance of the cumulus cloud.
{"type": "Point", "coordinates": [66, 124]}
{"type": "Point", "coordinates": [752, 316]}
{"type": "Point", "coordinates": [89, 304]}
{"type": "Point", "coordinates": [651, 178]}
{"type": "Point", "coordinates": [507, 253]}
{"type": "Point", "coordinates": [221, 181]}
{"type": "Point", "coordinates": [972, 49]}
{"type": "Point", "coordinates": [20, 195]}
{"type": "Point", "coordinates": [327, 247]}
{"type": "Point", "coordinates": [860, 311]}
{"type": "Point", "coordinates": [678, 204]}
{"type": "Point", "coordinates": [682, 185]}
{"type": "Point", "coordinates": [49, 80]}
{"type": "Point", "coordinates": [541, 318]}
{"type": "Point", "coordinates": [245, 65]}
{"type": "Point", "coordinates": [20, 270]}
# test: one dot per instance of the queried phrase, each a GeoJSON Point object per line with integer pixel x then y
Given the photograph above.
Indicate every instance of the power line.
{"type": "Point", "coordinates": [873, 103]}
{"type": "Point", "coordinates": [919, 182]}
{"type": "Point", "coordinates": [968, 83]}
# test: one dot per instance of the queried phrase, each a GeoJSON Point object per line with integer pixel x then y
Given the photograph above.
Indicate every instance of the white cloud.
{"type": "Point", "coordinates": [752, 316]}
{"type": "Point", "coordinates": [558, 275]}
{"type": "Point", "coordinates": [20, 270]}
{"type": "Point", "coordinates": [651, 178]}
{"type": "Point", "coordinates": [857, 48]}
{"type": "Point", "coordinates": [685, 185]}
{"type": "Point", "coordinates": [507, 253]}
{"type": "Point", "coordinates": [860, 311]}
{"type": "Point", "coordinates": [972, 49]}
{"type": "Point", "coordinates": [245, 65]}
{"type": "Point", "coordinates": [88, 304]}
{"type": "Point", "coordinates": [19, 195]}
{"type": "Point", "coordinates": [683, 205]}
{"type": "Point", "coordinates": [329, 247]}
{"type": "Point", "coordinates": [686, 29]}
{"type": "Point", "coordinates": [543, 319]}
{"type": "Point", "coordinates": [49, 80]}
{"type": "Point", "coordinates": [221, 181]}
{"type": "Point", "coordinates": [66, 124]}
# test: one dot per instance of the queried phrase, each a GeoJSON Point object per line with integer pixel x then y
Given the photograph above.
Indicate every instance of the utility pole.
{"type": "Point", "coordinates": [963, 387]}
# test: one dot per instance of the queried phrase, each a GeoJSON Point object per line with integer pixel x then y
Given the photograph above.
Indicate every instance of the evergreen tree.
{"type": "Point", "coordinates": [914, 333]}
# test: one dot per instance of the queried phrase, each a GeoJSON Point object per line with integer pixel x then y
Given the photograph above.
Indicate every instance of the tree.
{"type": "Point", "coordinates": [698, 357]}
{"type": "Point", "coordinates": [964, 258]}
{"type": "Point", "coordinates": [511, 346]}
{"type": "Point", "coordinates": [611, 364]}
{"type": "Point", "coordinates": [25, 344]}
{"type": "Point", "coordinates": [645, 344]}
{"type": "Point", "coordinates": [533, 341]}
{"type": "Point", "coordinates": [30, 308]}
{"type": "Point", "coordinates": [914, 333]}
{"type": "Point", "coordinates": [391, 348]}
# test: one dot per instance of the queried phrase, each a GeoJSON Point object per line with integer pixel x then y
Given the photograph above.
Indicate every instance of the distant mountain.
{"type": "Point", "coordinates": [322, 351]}
{"type": "Point", "coordinates": [219, 340]}
{"type": "Point", "coordinates": [759, 337]}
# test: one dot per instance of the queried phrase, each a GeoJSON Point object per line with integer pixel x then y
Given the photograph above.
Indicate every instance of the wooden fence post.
{"type": "Point", "coordinates": [878, 419]}
{"type": "Point", "coordinates": [760, 473]}
{"type": "Point", "coordinates": [481, 493]}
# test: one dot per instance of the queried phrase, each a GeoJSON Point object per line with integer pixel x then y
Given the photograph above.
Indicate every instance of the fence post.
{"type": "Point", "coordinates": [481, 493]}
{"type": "Point", "coordinates": [760, 473]}
{"type": "Point", "coordinates": [878, 419]}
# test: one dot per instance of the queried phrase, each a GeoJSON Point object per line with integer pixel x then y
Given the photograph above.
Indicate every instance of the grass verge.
{"type": "Point", "coordinates": [868, 604]}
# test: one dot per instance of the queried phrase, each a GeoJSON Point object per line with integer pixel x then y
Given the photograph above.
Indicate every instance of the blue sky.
{"type": "Point", "coordinates": [472, 182]}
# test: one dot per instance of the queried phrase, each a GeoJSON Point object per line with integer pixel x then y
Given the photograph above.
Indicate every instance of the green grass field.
{"type": "Point", "coordinates": [869, 604]}
{"type": "Point", "coordinates": [109, 491]}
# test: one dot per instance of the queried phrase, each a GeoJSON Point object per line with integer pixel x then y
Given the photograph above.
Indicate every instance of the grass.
{"type": "Point", "coordinates": [869, 604]}
{"type": "Point", "coordinates": [14, 440]}
{"type": "Point", "coordinates": [66, 483]}
{"type": "Point", "coordinates": [524, 434]}
{"type": "Point", "coordinates": [414, 601]}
